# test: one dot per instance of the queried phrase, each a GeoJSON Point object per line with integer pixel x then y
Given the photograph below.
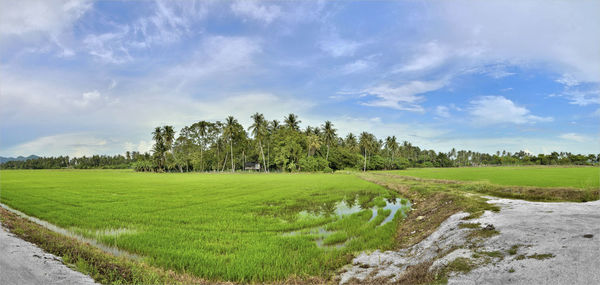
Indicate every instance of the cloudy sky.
{"type": "Point", "coordinates": [81, 77]}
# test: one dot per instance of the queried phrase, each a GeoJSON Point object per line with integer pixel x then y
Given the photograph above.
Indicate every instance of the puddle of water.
{"type": "Point", "coordinates": [401, 205]}
{"type": "Point", "coordinates": [348, 207]}
{"type": "Point", "coordinates": [110, 249]}
{"type": "Point", "coordinates": [321, 231]}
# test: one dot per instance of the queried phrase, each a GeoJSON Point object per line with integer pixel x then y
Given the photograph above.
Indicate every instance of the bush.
{"type": "Point", "coordinates": [313, 164]}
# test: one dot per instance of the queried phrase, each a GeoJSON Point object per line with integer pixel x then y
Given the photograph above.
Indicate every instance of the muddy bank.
{"type": "Point", "coordinates": [537, 243]}
{"type": "Point", "coordinates": [22, 262]}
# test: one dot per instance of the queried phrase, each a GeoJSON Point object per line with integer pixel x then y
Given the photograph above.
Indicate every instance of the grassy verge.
{"type": "Point", "coordinates": [529, 193]}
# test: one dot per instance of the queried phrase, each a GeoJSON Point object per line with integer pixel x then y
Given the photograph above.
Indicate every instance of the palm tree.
{"type": "Point", "coordinates": [275, 124]}
{"type": "Point", "coordinates": [365, 144]}
{"type": "Point", "coordinates": [202, 129]}
{"type": "Point", "coordinates": [313, 143]}
{"type": "Point", "coordinates": [259, 131]}
{"type": "Point", "coordinates": [159, 146]}
{"type": "Point", "coordinates": [228, 131]}
{"type": "Point", "coordinates": [350, 142]}
{"type": "Point", "coordinates": [292, 122]}
{"type": "Point", "coordinates": [392, 146]}
{"type": "Point", "coordinates": [169, 136]}
{"type": "Point", "coordinates": [329, 135]}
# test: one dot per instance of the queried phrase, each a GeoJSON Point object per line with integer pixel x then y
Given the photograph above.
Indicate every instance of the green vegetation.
{"type": "Point", "coordinates": [461, 264]}
{"type": "Point", "coordinates": [228, 146]}
{"type": "Point", "coordinates": [513, 249]}
{"type": "Point", "coordinates": [215, 226]}
{"type": "Point", "coordinates": [482, 233]}
{"type": "Point", "coordinates": [541, 256]}
{"type": "Point", "coordinates": [576, 177]}
{"type": "Point", "coordinates": [469, 225]}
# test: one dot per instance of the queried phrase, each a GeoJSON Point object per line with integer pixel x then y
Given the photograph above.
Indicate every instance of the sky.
{"type": "Point", "coordinates": [82, 77]}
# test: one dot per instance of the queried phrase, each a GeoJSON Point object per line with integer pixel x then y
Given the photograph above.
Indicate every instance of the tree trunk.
{"type": "Point", "coordinates": [263, 156]}
{"type": "Point", "coordinates": [231, 147]}
{"type": "Point", "coordinates": [224, 162]}
{"type": "Point", "coordinates": [327, 156]}
{"type": "Point", "coordinates": [201, 158]}
{"type": "Point", "coordinates": [365, 163]}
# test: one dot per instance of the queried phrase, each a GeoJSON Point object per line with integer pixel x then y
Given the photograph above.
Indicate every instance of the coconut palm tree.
{"type": "Point", "coordinates": [329, 136]}
{"type": "Point", "coordinates": [169, 137]}
{"type": "Point", "coordinates": [392, 145]}
{"type": "Point", "coordinates": [292, 122]}
{"type": "Point", "coordinates": [259, 131]}
{"type": "Point", "coordinates": [351, 142]}
{"type": "Point", "coordinates": [313, 143]}
{"type": "Point", "coordinates": [228, 132]}
{"type": "Point", "coordinates": [365, 144]}
{"type": "Point", "coordinates": [159, 146]}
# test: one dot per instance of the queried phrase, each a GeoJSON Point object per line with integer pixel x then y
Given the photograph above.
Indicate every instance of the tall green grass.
{"type": "Point", "coordinates": [576, 177]}
{"type": "Point", "coordinates": [215, 226]}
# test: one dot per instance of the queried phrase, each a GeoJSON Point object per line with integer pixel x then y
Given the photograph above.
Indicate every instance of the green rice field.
{"type": "Point", "coordinates": [576, 177]}
{"type": "Point", "coordinates": [238, 227]}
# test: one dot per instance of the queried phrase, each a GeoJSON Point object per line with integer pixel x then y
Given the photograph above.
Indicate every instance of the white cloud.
{"type": "Point", "coordinates": [24, 18]}
{"type": "Point", "coordinates": [109, 47]}
{"type": "Point", "coordinates": [218, 57]}
{"type": "Point", "coordinates": [141, 147]}
{"type": "Point", "coordinates": [525, 33]}
{"type": "Point", "coordinates": [72, 144]}
{"type": "Point", "coordinates": [254, 10]}
{"type": "Point", "coordinates": [432, 57]}
{"type": "Point", "coordinates": [168, 23]}
{"type": "Point", "coordinates": [583, 98]}
{"type": "Point", "coordinates": [357, 66]}
{"type": "Point", "coordinates": [568, 80]}
{"type": "Point", "coordinates": [40, 26]}
{"type": "Point", "coordinates": [488, 110]}
{"type": "Point", "coordinates": [574, 137]}
{"type": "Point", "coordinates": [404, 97]}
{"type": "Point", "coordinates": [442, 111]}
{"type": "Point", "coordinates": [335, 46]}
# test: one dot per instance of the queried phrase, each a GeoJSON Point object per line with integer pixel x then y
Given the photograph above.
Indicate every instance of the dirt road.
{"type": "Point", "coordinates": [22, 262]}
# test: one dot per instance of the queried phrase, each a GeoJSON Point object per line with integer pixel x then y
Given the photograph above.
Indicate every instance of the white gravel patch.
{"type": "Point", "coordinates": [539, 228]}
{"type": "Point", "coordinates": [555, 228]}
{"type": "Point", "coordinates": [22, 262]}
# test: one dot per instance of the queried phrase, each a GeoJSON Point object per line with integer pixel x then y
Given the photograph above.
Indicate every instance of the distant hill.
{"type": "Point", "coordinates": [19, 158]}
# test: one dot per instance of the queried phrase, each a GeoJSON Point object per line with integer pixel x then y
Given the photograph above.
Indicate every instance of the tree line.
{"type": "Point", "coordinates": [284, 146]}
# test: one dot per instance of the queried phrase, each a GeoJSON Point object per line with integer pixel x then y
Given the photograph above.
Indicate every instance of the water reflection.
{"type": "Point", "coordinates": [349, 206]}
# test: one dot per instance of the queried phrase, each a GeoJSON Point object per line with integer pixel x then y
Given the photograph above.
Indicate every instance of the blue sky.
{"type": "Point", "coordinates": [81, 77]}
